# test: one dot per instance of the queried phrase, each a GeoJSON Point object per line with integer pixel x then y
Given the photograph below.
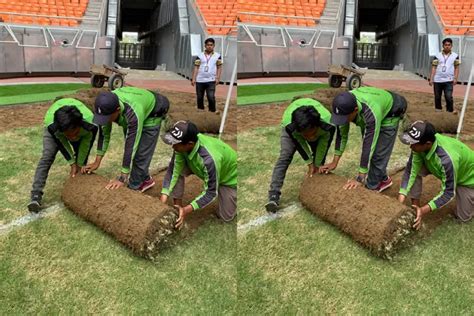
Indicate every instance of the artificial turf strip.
{"type": "Point", "coordinates": [28, 93]}
{"type": "Point", "coordinates": [255, 94]}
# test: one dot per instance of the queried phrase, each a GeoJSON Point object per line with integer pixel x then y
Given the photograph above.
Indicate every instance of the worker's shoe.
{"type": "Point", "coordinates": [147, 184]}
{"type": "Point", "coordinates": [384, 185]}
{"type": "Point", "coordinates": [35, 205]}
{"type": "Point", "coordinates": [272, 204]}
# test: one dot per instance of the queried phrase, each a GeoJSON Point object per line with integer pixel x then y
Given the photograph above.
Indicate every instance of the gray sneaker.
{"type": "Point", "coordinates": [272, 206]}
{"type": "Point", "coordinates": [34, 206]}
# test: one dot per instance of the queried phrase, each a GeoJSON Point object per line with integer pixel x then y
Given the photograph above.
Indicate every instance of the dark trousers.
{"type": "Point", "coordinates": [447, 88]}
{"type": "Point", "coordinates": [210, 89]}
{"type": "Point", "coordinates": [50, 149]}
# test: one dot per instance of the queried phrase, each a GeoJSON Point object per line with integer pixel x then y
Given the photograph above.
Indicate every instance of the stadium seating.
{"type": "Point", "coordinates": [43, 12]}
{"type": "Point", "coordinates": [456, 15]}
{"type": "Point", "coordinates": [221, 16]}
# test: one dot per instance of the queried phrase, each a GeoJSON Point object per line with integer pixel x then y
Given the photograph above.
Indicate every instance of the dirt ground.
{"type": "Point", "coordinates": [182, 106]}
{"type": "Point", "coordinates": [420, 106]}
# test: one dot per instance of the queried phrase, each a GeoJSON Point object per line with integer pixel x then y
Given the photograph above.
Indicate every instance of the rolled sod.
{"type": "Point", "coordinates": [443, 122]}
{"type": "Point", "coordinates": [377, 222]}
{"type": "Point", "coordinates": [141, 222]}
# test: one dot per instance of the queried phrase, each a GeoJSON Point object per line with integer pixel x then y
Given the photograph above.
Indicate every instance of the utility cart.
{"type": "Point", "coordinates": [340, 73]}
{"type": "Point", "coordinates": [101, 73]}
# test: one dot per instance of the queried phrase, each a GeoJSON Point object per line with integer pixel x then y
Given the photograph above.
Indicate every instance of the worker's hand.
{"type": "Point", "coordinates": [217, 81]}
{"type": "Point", "coordinates": [328, 167]}
{"type": "Point", "coordinates": [164, 198]}
{"type": "Point", "coordinates": [183, 211]}
{"type": "Point", "coordinates": [420, 212]}
{"type": "Point", "coordinates": [351, 184]}
{"type": "Point", "coordinates": [74, 170]}
{"type": "Point", "coordinates": [455, 81]}
{"type": "Point", "coordinates": [90, 167]}
{"type": "Point", "coordinates": [312, 169]}
{"type": "Point", "coordinates": [114, 184]}
{"type": "Point", "coordinates": [193, 82]}
{"type": "Point", "coordinates": [401, 198]}
{"type": "Point", "coordinates": [430, 82]}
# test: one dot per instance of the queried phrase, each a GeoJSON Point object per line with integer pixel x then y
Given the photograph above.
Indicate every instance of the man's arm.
{"type": "Point", "coordinates": [448, 182]}
{"type": "Point", "coordinates": [86, 144]}
{"type": "Point", "coordinates": [434, 65]}
{"type": "Point", "coordinates": [210, 183]}
{"type": "Point", "coordinates": [414, 164]}
{"type": "Point", "coordinates": [456, 70]}
{"type": "Point", "coordinates": [197, 64]}
{"type": "Point", "coordinates": [301, 146]}
{"type": "Point", "coordinates": [175, 168]}
{"type": "Point", "coordinates": [219, 70]}
{"type": "Point", "coordinates": [342, 135]}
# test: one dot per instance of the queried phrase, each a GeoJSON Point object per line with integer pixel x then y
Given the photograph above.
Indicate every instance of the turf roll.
{"type": "Point", "coordinates": [443, 122]}
{"type": "Point", "coordinates": [141, 222]}
{"type": "Point", "coordinates": [377, 222]}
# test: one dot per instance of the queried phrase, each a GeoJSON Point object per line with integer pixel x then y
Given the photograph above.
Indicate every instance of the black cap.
{"type": "Point", "coordinates": [343, 105]}
{"type": "Point", "coordinates": [181, 132]}
{"type": "Point", "coordinates": [106, 103]}
{"type": "Point", "coordinates": [418, 132]}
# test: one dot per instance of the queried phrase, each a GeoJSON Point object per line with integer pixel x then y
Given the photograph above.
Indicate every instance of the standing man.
{"type": "Point", "coordinates": [68, 129]}
{"type": "Point", "coordinates": [139, 112]}
{"type": "Point", "coordinates": [306, 128]}
{"type": "Point", "coordinates": [210, 159]}
{"type": "Point", "coordinates": [377, 112]}
{"type": "Point", "coordinates": [444, 75]}
{"type": "Point", "coordinates": [447, 159]}
{"type": "Point", "coordinates": [207, 74]}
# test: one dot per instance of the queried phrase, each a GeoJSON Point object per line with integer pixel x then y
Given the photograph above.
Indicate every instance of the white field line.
{"type": "Point", "coordinates": [269, 217]}
{"type": "Point", "coordinates": [30, 218]}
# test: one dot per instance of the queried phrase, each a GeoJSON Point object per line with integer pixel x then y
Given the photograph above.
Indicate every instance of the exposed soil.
{"type": "Point", "coordinates": [183, 107]}
{"type": "Point", "coordinates": [376, 221]}
{"type": "Point", "coordinates": [420, 106]}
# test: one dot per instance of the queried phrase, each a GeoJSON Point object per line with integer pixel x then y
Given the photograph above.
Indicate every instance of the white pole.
{"type": "Point", "coordinates": [466, 97]}
{"type": "Point", "coordinates": [227, 101]}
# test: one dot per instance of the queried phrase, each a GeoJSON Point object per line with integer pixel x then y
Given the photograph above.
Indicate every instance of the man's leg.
{"type": "Point", "coordinates": [178, 190]}
{"type": "Point", "coordinates": [464, 203]}
{"type": "Point", "coordinates": [211, 96]}
{"type": "Point", "coordinates": [200, 88]}
{"type": "Point", "coordinates": [140, 175]}
{"type": "Point", "coordinates": [448, 96]}
{"type": "Point", "coordinates": [287, 150]}
{"type": "Point", "coordinates": [417, 188]}
{"type": "Point", "coordinates": [47, 158]}
{"type": "Point", "coordinates": [227, 203]}
{"type": "Point", "coordinates": [381, 156]}
{"type": "Point", "coordinates": [438, 90]}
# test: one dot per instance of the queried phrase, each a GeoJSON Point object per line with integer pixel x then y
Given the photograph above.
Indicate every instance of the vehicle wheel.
{"type": "Point", "coordinates": [115, 82]}
{"type": "Point", "coordinates": [353, 82]}
{"type": "Point", "coordinates": [97, 81]}
{"type": "Point", "coordinates": [335, 81]}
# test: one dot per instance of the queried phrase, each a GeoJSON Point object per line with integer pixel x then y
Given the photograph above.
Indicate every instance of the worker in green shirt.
{"type": "Point", "coordinates": [210, 159]}
{"type": "Point", "coordinates": [447, 159]}
{"type": "Point", "coordinates": [306, 128]}
{"type": "Point", "coordinates": [139, 112]}
{"type": "Point", "coordinates": [377, 112]}
{"type": "Point", "coordinates": [68, 129]}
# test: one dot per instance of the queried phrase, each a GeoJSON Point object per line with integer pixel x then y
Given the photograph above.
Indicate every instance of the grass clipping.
{"type": "Point", "coordinates": [142, 223]}
{"type": "Point", "coordinates": [377, 222]}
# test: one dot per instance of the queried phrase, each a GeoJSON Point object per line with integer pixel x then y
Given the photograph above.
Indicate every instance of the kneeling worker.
{"type": "Point", "coordinates": [447, 159]}
{"type": "Point", "coordinates": [210, 159]}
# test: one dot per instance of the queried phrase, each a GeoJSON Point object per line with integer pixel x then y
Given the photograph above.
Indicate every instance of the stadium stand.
{"type": "Point", "coordinates": [43, 12]}
{"type": "Point", "coordinates": [457, 17]}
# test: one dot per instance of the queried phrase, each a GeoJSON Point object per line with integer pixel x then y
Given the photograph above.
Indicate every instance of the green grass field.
{"type": "Point", "coordinates": [28, 93]}
{"type": "Point", "coordinates": [64, 265]}
{"type": "Point", "coordinates": [269, 93]}
{"type": "Point", "coordinates": [302, 265]}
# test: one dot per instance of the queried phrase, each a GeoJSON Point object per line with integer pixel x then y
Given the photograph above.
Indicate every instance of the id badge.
{"type": "Point", "coordinates": [206, 68]}
{"type": "Point", "coordinates": [443, 69]}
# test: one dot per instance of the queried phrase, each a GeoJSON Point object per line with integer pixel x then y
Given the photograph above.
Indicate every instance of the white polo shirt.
{"type": "Point", "coordinates": [445, 65]}
{"type": "Point", "coordinates": [207, 66]}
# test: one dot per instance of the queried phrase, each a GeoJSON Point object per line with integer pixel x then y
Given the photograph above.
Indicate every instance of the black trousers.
{"type": "Point", "coordinates": [447, 88]}
{"type": "Point", "coordinates": [210, 89]}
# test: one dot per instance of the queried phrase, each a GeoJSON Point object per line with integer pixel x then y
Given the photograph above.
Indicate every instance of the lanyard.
{"type": "Point", "coordinates": [446, 58]}
{"type": "Point", "coordinates": [207, 59]}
